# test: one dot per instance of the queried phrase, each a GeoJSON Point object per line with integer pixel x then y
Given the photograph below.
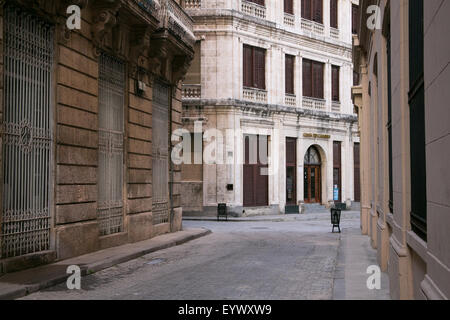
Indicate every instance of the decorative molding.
{"type": "Point", "coordinates": [180, 66]}
{"type": "Point", "coordinates": [139, 48]}
{"type": "Point", "coordinates": [105, 18]}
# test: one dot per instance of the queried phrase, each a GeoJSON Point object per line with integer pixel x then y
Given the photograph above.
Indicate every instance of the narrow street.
{"type": "Point", "coordinates": [262, 260]}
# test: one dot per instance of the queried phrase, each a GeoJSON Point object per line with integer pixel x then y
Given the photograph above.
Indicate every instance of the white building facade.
{"type": "Point", "coordinates": [281, 71]}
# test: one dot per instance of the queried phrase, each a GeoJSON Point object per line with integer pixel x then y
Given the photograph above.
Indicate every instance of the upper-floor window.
{"type": "Point", "coordinates": [254, 67]}
{"type": "Point", "coordinates": [313, 79]}
{"type": "Point", "coordinates": [356, 80]}
{"type": "Point", "coordinates": [355, 19]}
{"type": "Point", "coordinates": [334, 14]}
{"type": "Point", "coordinates": [335, 83]}
{"type": "Point", "coordinates": [312, 10]}
{"type": "Point", "coordinates": [289, 74]}
{"type": "Point", "coordinates": [260, 2]}
{"type": "Point", "coordinates": [289, 6]}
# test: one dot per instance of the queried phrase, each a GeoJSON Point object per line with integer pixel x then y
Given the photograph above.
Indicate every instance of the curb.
{"type": "Point", "coordinates": [16, 291]}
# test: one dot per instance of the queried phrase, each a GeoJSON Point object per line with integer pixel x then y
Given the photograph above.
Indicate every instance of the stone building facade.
{"type": "Point", "coordinates": [404, 120]}
{"type": "Point", "coordinates": [85, 120]}
{"type": "Point", "coordinates": [281, 71]}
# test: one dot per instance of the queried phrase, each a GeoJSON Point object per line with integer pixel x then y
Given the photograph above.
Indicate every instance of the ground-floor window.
{"type": "Point", "coordinates": [160, 152]}
{"type": "Point", "coordinates": [27, 134]}
{"type": "Point", "coordinates": [111, 132]}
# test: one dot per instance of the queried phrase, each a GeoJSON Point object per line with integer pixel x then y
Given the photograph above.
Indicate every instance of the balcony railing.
{"type": "Point", "coordinates": [174, 18]}
{"type": "Point", "coordinates": [313, 27]}
{"type": "Point", "coordinates": [255, 95]}
{"type": "Point", "coordinates": [192, 4]}
{"type": "Point", "coordinates": [253, 9]}
{"type": "Point", "coordinates": [191, 91]}
{"type": "Point", "coordinates": [336, 106]}
{"type": "Point", "coordinates": [290, 100]}
{"type": "Point", "coordinates": [148, 5]}
{"type": "Point", "coordinates": [289, 19]}
{"type": "Point", "coordinates": [334, 33]}
{"type": "Point", "coordinates": [314, 104]}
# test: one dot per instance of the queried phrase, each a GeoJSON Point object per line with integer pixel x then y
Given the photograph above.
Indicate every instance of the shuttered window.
{"type": "Point", "coordinates": [355, 19]}
{"type": "Point", "coordinates": [337, 168]}
{"type": "Point", "coordinates": [254, 67]}
{"type": "Point", "coordinates": [289, 74]}
{"type": "Point", "coordinates": [417, 119]}
{"type": "Point", "coordinates": [334, 14]}
{"type": "Point", "coordinates": [312, 10]}
{"type": "Point", "coordinates": [260, 2]}
{"type": "Point", "coordinates": [313, 79]}
{"type": "Point", "coordinates": [355, 78]}
{"type": "Point", "coordinates": [289, 6]}
{"type": "Point", "coordinates": [335, 83]}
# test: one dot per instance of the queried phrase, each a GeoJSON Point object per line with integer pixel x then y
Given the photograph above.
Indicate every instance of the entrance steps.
{"type": "Point", "coordinates": [315, 208]}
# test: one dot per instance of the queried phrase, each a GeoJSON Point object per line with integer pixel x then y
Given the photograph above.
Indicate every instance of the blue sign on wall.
{"type": "Point", "coordinates": [336, 193]}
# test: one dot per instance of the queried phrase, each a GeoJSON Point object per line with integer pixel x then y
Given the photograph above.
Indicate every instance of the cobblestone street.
{"type": "Point", "coordinates": [239, 260]}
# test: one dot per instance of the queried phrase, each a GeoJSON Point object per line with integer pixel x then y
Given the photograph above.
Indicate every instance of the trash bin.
{"type": "Point", "coordinates": [222, 211]}
{"type": "Point", "coordinates": [336, 219]}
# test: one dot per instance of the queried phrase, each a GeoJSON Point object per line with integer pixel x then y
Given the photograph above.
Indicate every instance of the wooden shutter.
{"type": "Point", "coordinates": [337, 167]}
{"type": "Point", "coordinates": [260, 68]}
{"type": "Point", "coordinates": [357, 178]}
{"type": "Point", "coordinates": [335, 83]}
{"type": "Point", "coordinates": [307, 78]}
{"type": "Point", "coordinates": [289, 6]}
{"type": "Point", "coordinates": [289, 74]}
{"type": "Point", "coordinates": [334, 13]}
{"type": "Point", "coordinates": [260, 2]}
{"type": "Point", "coordinates": [248, 66]}
{"type": "Point", "coordinates": [306, 9]}
{"type": "Point", "coordinates": [318, 10]}
{"type": "Point", "coordinates": [318, 80]}
{"type": "Point", "coordinates": [355, 78]}
{"type": "Point", "coordinates": [355, 18]}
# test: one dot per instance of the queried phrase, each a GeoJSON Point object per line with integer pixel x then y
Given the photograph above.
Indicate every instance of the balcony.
{"type": "Point", "coordinates": [192, 4]}
{"type": "Point", "coordinates": [254, 95]}
{"type": "Point", "coordinates": [314, 104]}
{"type": "Point", "coordinates": [289, 20]}
{"type": "Point", "coordinates": [336, 106]}
{"type": "Point", "coordinates": [191, 91]}
{"type": "Point", "coordinates": [290, 100]}
{"type": "Point", "coordinates": [253, 9]}
{"type": "Point", "coordinates": [313, 27]}
{"type": "Point", "coordinates": [334, 33]}
{"type": "Point", "coordinates": [174, 18]}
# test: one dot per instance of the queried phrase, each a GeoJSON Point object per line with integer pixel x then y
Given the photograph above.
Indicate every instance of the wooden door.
{"type": "Point", "coordinates": [256, 179]}
{"type": "Point", "coordinates": [313, 185]}
{"type": "Point", "coordinates": [291, 171]}
{"type": "Point", "coordinates": [357, 182]}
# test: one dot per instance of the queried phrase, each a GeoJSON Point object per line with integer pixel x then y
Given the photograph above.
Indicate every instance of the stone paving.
{"type": "Point", "coordinates": [246, 260]}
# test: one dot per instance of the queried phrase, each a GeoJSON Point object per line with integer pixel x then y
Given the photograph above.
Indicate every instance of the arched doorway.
{"type": "Point", "coordinates": [313, 176]}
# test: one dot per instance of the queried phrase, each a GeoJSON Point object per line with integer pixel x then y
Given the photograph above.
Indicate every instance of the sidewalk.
{"type": "Point", "coordinates": [355, 255]}
{"type": "Point", "coordinates": [19, 284]}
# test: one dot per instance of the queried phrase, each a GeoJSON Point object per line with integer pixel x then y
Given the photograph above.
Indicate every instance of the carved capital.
{"type": "Point", "coordinates": [139, 48]}
{"type": "Point", "coordinates": [105, 18]}
{"type": "Point", "coordinates": [159, 58]}
{"type": "Point", "coordinates": [180, 66]}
